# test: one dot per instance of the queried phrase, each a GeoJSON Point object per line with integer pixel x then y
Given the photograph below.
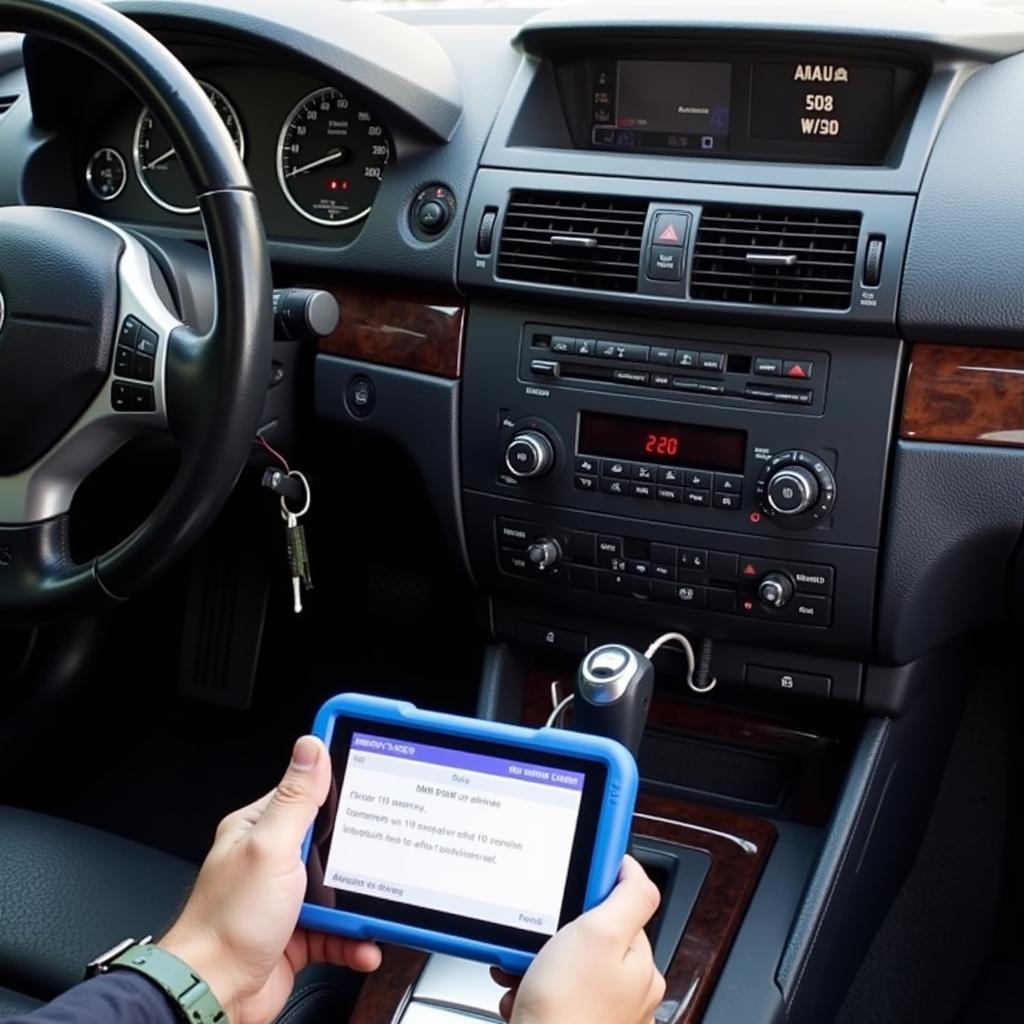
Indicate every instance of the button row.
{"type": "Point", "coordinates": [125, 397]}
{"type": "Point", "coordinates": [694, 577]}
{"type": "Point", "coordinates": [135, 355]}
{"type": "Point", "coordinates": [595, 348]}
{"type": "Point", "coordinates": [697, 487]}
{"type": "Point", "coordinates": [774, 366]}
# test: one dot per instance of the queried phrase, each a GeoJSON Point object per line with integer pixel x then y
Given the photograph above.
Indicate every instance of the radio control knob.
{"type": "Point", "coordinates": [792, 490]}
{"type": "Point", "coordinates": [775, 589]}
{"type": "Point", "coordinates": [529, 454]}
{"type": "Point", "coordinates": [544, 552]}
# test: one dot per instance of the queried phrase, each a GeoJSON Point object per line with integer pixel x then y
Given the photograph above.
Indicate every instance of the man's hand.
{"type": "Point", "coordinates": [238, 929]}
{"type": "Point", "coordinates": [598, 968]}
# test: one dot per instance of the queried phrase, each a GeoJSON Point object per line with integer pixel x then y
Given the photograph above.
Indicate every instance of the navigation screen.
{"type": "Point", "coordinates": [842, 103]}
{"type": "Point", "coordinates": [661, 104]}
{"type": "Point", "coordinates": [455, 831]}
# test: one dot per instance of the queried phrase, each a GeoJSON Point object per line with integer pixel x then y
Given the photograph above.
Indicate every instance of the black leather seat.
{"type": "Point", "coordinates": [68, 892]}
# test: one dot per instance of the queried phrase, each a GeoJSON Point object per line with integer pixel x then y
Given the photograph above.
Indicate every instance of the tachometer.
{"type": "Point", "coordinates": [156, 160]}
{"type": "Point", "coordinates": [331, 154]}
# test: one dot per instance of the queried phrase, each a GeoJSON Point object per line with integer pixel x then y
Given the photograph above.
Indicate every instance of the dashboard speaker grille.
{"type": "Point", "coordinates": [6, 102]}
{"type": "Point", "coordinates": [775, 257]}
{"type": "Point", "coordinates": [576, 241]}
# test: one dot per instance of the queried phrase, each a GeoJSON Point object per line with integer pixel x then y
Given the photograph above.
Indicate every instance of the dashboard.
{"type": "Point", "coordinates": [638, 293]}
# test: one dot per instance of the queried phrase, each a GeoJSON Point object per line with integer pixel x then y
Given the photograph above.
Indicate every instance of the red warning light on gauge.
{"type": "Point", "coordinates": [338, 184]}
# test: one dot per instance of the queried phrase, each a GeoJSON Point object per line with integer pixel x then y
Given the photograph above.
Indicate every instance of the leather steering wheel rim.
{"type": "Point", "coordinates": [215, 383]}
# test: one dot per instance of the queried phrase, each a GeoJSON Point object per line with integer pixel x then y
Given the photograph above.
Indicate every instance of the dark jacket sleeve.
{"type": "Point", "coordinates": [120, 997]}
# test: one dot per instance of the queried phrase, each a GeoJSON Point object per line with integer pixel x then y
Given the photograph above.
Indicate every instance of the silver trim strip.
{"type": "Point", "coordinates": [744, 844]}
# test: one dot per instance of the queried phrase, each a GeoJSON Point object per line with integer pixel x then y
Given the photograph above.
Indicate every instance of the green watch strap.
{"type": "Point", "coordinates": [186, 990]}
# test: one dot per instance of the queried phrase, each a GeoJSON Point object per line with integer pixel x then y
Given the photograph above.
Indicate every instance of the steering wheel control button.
{"type": "Point", "coordinates": [780, 680]}
{"type": "Point", "coordinates": [146, 341]}
{"type": "Point", "coordinates": [120, 396]}
{"type": "Point", "coordinates": [360, 396]}
{"type": "Point", "coordinates": [124, 358]}
{"type": "Point", "coordinates": [432, 211]}
{"type": "Point", "coordinates": [129, 332]}
{"type": "Point", "coordinates": [142, 398]}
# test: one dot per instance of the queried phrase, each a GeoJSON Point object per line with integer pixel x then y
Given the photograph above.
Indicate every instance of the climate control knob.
{"type": "Point", "coordinates": [775, 590]}
{"type": "Point", "coordinates": [792, 491]}
{"type": "Point", "coordinates": [529, 454]}
{"type": "Point", "coordinates": [544, 552]}
{"type": "Point", "coordinates": [796, 489]}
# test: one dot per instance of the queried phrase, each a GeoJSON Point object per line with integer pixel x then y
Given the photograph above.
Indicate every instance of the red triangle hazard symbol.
{"type": "Point", "coordinates": [796, 371]}
{"type": "Point", "coordinates": [668, 233]}
{"type": "Point", "coordinates": [749, 570]}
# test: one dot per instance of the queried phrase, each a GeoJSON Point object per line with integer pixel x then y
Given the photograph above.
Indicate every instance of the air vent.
{"type": "Point", "coordinates": [6, 102]}
{"type": "Point", "coordinates": [577, 241]}
{"type": "Point", "coordinates": [775, 257]}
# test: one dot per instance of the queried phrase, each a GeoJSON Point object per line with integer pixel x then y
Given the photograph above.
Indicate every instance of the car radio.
{"type": "Point", "coordinates": [731, 476]}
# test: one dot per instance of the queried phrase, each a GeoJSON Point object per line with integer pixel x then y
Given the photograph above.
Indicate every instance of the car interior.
{"type": "Point", "coordinates": [417, 350]}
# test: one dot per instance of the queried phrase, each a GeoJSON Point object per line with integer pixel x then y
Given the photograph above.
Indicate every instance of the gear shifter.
{"type": "Point", "coordinates": [613, 692]}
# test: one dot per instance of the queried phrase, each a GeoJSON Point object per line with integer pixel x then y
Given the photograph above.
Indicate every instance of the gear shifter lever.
{"type": "Point", "coordinates": [613, 692]}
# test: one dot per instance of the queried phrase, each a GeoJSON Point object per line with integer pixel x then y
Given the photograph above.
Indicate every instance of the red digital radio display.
{"type": "Point", "coordinates": [678, 444]}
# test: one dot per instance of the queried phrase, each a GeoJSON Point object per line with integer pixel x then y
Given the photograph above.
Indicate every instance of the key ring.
{"type": "Point", "coordinates": [286, 512]}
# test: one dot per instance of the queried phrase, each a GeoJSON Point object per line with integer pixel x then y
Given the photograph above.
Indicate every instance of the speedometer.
{"type": "Point", "coordinates": [331, 154]}
{"type": "Point", "coordinates": [156, 159]}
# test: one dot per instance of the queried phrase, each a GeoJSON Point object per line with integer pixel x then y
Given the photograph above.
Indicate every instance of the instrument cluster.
{"type": "Point", "coordinates": [316, 154]}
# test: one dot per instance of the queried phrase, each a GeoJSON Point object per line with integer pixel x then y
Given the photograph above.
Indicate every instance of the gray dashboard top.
{"type": "Point", "coordinates": [964, 33]}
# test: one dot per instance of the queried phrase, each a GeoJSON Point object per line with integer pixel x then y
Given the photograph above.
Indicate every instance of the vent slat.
{"type": "Point", "coordinates": [824, 243]}
{"type": "Point", "coordinates": [526, 251]}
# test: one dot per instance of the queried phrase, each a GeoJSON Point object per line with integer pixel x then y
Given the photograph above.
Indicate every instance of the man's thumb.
{"type": "Point", "coordinates": [298, 796]}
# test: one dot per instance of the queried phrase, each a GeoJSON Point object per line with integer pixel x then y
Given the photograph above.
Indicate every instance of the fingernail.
{"type": "Point", "coordinates": [305, 753]}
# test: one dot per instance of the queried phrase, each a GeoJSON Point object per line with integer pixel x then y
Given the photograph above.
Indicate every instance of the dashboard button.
{"type": "Point", "coordinates": [587, 464]}
{"type": "Point", "coordinates": [563, 346]}
{"type": "Point", "coordinates": [583, 482]}
{"type": "Point", "coordinates": [811, 611]}
{"type": "Point", "coordinates": [582, 547]}
{"type": "Point", "coordinates": [728, 483]}
{"type": "Point", "coordinates": [613, 485]}
{"type": "Point", "coordinates": [543, 368]}
{"type": "Point", "coordinates": [609, 547]}
{"type": "Point", "coordinates": [621, 351]}
{"type": "Point", "coordinates": [694, 559]}
{"type": "Point", "coordinates": [636, 568]}
{"type": "Point", "coordinates": [662, 356]}
{"type": "Point", "coordinates": [514, 562]}
{"type": "Point", "coordinates": [720, 600]}
{"type": "Point", "coordinates": [726, 502]}
{"type": "Point", "coordinates": [710, 389]}
{"type": "Point", "coordinates": [722, 565]}
{"type": "Point", "coordinates": [663, 493]}
{"type": "Point", "coordinates": [782, 680]}
{"type": "Point", "coordinates": [687, 358]}
{"type": "Point", "coordinates": [639, 490]}
{"type": "Point", "coordinates": [623, 586]}
{"type": "Point", "coordinates": [798, 369]}
{"type": "Point", "coordinates": [685, 384]}
{"type": "Point", "coordinates": [663, 572]}
{"type": "Point", "coordinates": [670, 475]}
{"type": "Point", "coordinates": [790, 396]}
{"type": "Point", "coordinates": [586, 347]}
{"type": "Point", "coordinates": [661, 380]}
{"type": "Point", "coordinates": [767, 366]}
{"type": "Point", "coordinates": [671, 229]}
{"type": "Point", "coordinates": [514, 533]}
{"type": "Point", "coordinates": [697, 478]}
{"type": "Point", "coordinates": [681, 593]}
{"type": "Point", "coordinates": [550, 636]}
{"type": "Point", "coordinates": [637, 377]}
{"type": "Point", "coordinates": [614, 467]}
{"type": "Point", "coordinates": [713, 362]}
{"type": "Point", "coordinates": [485, 232]}
{"type": "Point", "coordinates": [812, 579]}
{"type": "Point", "coordinates": [644, 472]}
{"type": "Point", "coordinates": [665, 263]}
{"type": "Point", "coordinates": [700, 499]}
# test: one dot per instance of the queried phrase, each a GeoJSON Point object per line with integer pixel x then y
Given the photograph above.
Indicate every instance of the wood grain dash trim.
{"type": "Point", "coordinates": [407, 330]}
{"type": "Point", "coordinates": [963, 395]}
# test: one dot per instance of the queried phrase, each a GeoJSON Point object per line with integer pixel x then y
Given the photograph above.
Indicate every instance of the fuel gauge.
{"type": "Point", "coordinates": [106, 174]}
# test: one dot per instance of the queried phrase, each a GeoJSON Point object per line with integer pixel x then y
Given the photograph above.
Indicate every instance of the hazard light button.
{"type": "Point", "coordinates": [798, 369]}
{"type": "Point", "coordinates": [671, 229]}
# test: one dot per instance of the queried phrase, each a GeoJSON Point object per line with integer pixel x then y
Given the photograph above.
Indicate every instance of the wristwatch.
{"type": "Point", "coordinates": [188, 993]}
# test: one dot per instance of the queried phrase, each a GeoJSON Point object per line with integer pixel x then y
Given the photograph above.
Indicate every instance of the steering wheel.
{"type": "Point", "coordinates": [75, 291]}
